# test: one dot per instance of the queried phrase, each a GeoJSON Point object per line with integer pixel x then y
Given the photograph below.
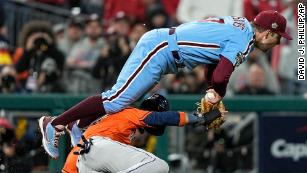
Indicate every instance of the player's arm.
{"type": "Point", "coordinates": [173, 118]}
{"type": "Point", "coordinates": [218, 78]}
{"type": "Point", "coordinates": [236, 48]}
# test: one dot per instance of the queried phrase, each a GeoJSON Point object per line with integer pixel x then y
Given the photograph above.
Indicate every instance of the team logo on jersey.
{"type": "Point", "coordinates": [239, 59]}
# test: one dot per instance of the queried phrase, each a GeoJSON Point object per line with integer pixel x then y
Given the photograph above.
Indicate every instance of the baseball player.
{"type": "Point", "coordinates": [106, 144]}
{"type": "Point", "coordinates": [220, 42]}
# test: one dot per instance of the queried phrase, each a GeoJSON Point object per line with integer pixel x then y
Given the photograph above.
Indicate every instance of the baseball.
{"type": "Point", "coordinates": [210, 96]}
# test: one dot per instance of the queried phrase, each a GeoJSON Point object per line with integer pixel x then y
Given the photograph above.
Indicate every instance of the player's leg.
{"type": "Point", "coordinates": [90, 107]}
{"type": "Point", "coordinates": [138, 75]}
{"type": "Point", "coordinates": [156, 166]}
{"type": "Point", "coordinates": [76, 128]}
{"type": "Point", "coordinates": [83, 168]}
{"type": "Point", "coordinates": [134, 80]}
{"type": "Point", "coordinates": [142, 70]}
{"type": "Point", "coordinates": [125, 158]}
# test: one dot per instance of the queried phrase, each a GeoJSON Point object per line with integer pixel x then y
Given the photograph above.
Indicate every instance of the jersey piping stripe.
{"type": "Point", "coordinates": [251, 42]}
{"type": "Point", "coordinates": [141, 164]}
{"type": "Point", "coordinates": [199, 44]}
{"type": "Point", "coordinates": [136, 72]}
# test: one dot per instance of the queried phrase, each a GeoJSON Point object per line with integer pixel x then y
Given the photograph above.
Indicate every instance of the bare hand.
{"type": "Point", "coordinates": [212, 96]}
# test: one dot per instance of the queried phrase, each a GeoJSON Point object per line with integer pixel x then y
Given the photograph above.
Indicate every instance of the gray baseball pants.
{"type": "Point", "coordinates": [110, 156]}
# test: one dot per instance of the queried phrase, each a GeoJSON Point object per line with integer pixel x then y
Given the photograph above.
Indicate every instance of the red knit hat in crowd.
{"type": "Point", "coordinates": [273, 21]}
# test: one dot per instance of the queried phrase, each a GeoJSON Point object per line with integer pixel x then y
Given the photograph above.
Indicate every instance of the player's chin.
{"type": "Point", "coordinates": [264, 47]}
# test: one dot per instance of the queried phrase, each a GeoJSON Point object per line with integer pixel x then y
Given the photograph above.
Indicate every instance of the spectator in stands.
{"type": "Point", "coordinates": [115, 53]}
{"type": "Point", "coordinates": [84, 54]}
{"type": "Point", "coordinates": [9, 160]}
{"type": "Point", "coordinates": [5, 57]}
{"type": "Point", "coordinates": [239, 78]}
{"type": "Point", "coordinates": [134, 9]}
{"type": "Point", "coordinates": [198, 147]}
{"type": "Point", "coordinates": [120, 25]}
{"type": "Point", "coordinates": [256, 82]}
{"type": "Point", "coordinates": [198, 9]}
{"type": "Point", "coordinates": [185, 82]}
{"type": "Point", "coordinates": [58, 30]}
{"type": "Point", "coordinates": [223, 160]}
{"type": "Point", "coordinates": [157, 17]}
{"type": "Point", "coordinates": [136, 33]}
{"type": "Point", "coordinates": [285, 55]}
{"type": "Point", "coordinates": [72, 35]}
{"type": "Point", "coordinates": [8, 82]}
{"type": "Point", "coordinates": [253, 7]}
{"type": "Point", "coordinates": [39, 49]}
{"type": "Point", "coordinates": [83, 57]}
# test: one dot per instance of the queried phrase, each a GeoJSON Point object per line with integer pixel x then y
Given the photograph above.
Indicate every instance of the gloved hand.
{"type": "Point", "coordinates": [206, 107]}
{"type": "Point", "coordinates": [85, 147]}
{"type": "Point", "coordinates": [207, 118]}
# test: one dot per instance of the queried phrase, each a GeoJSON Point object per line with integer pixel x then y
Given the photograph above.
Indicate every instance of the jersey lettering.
{"type": "Point", "coordinates": [238, 22]}
{"type": "Point", "coordinates": [213, 19]}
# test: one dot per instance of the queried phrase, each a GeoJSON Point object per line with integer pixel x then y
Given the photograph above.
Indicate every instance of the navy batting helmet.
{"type": "Point", "coordinates": [157, 103]}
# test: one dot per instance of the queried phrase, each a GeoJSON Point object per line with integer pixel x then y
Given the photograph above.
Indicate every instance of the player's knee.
{"type": "Point", "coordinates": [113, 108]}
{"type": "Point", "coordinates": [161, 167]}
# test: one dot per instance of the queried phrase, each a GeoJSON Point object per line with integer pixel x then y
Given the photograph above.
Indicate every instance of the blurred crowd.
{"type": "Point", "coordinates": [85, 54]}
{"type": "Point", "coordinates": [20, 149]}
{"type": "Point", "coordinates": [229, 149]}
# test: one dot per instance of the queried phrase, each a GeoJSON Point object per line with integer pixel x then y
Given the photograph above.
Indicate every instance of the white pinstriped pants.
{"type": "Point", "coordinates": [110, 156]}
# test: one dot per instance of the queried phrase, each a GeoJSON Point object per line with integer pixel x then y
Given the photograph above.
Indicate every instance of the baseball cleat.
{"type": "Point", "coordinates": [50, 136]}
{"type": "Point", "coordinates": [75, 133]}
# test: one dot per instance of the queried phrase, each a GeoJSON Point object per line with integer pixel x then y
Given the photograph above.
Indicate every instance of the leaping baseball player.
{"type": "Point", "coordinates": [220, 42]}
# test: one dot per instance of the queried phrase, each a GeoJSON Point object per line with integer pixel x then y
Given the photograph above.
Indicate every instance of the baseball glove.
{"type": "Point", "coordinates": [205, 107]}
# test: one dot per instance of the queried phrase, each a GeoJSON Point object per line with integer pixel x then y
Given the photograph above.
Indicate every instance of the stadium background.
{"type": "Point", "coordinates": [266, 129]}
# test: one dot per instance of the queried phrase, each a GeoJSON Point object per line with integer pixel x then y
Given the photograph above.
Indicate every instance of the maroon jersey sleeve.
{"type": "Point", "coordinates": [220, 75]}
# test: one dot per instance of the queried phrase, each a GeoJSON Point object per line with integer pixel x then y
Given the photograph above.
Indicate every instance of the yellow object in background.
{"type": "Point", "coordinates": [151, 144]}
{"type": "Point", "coordinates": [5, 58]}
{"type": "Point", "coordinates": [21, 128]}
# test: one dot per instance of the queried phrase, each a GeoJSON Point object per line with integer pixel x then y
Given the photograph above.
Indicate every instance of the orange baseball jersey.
{"type": "Point", "coordinates": [118, 127]}
{"type": "Point", "coordinates": [71, 162]}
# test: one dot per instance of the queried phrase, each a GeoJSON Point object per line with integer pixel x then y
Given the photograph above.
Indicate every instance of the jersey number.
{"type": "Point", "coordinates": [238, 22]}
{"type": "Point", "coordinates": [214, 20]}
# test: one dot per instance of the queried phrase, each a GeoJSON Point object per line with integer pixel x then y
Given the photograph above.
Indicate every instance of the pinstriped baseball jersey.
{"type": "Point", "coordinates": [202, 42]}
{"type": "Point", "coordinates": [199, 42]}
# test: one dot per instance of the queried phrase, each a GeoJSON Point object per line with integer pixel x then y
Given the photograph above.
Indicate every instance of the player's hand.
{"type": "Point", "coordinates": [207, 118]}
{"type": "Point", "coordinates": [212, 96]}
{"type": "Point", "coordinates": [85, 147]}
{"type": "Point", "coordinates": [213, 114]}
